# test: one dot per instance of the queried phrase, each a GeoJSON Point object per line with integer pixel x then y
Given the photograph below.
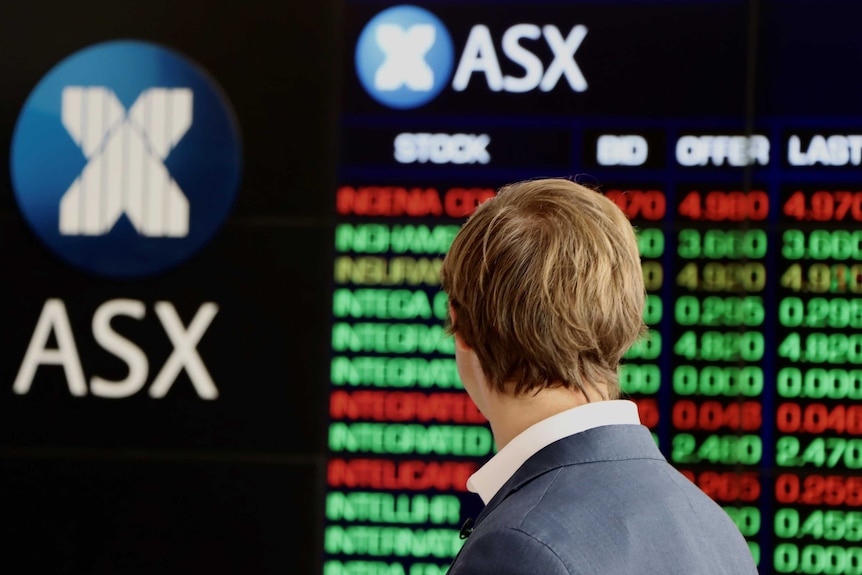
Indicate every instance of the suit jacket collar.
{"type": "Point", "coordinates": [488, 480]}
{"type": "Point", "coordinates": [606, 443]}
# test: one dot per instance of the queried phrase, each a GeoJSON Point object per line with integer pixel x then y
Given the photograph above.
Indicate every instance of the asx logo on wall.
{"type": "Point", "coordinates": [405, 56]}
{"type": "Point", "coordinates": [125, 161]}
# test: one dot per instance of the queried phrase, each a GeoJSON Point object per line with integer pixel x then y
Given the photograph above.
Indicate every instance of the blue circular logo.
{"type": "Point", "coordinates": [404, 57]}
{"type": "Point", "coordinates": [126, 159]}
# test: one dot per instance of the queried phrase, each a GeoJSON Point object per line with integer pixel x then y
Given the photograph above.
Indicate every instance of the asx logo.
{"type": "Point", "coordinates": [118, 145]}
{"type": "Point", "coordinates": [144, 159]}
{"type": "Point", "coordinates": [405, 56]}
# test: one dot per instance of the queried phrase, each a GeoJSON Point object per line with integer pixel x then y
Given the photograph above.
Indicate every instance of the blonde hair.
{"type": "Point", "coordinates": [547, 286]}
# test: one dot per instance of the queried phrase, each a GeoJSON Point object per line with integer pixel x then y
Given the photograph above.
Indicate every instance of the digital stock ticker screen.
{"type": "Point", "coordinates": [729, 133]}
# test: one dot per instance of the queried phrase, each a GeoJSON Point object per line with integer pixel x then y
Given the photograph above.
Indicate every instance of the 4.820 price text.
{"type": "Point", "coordinates": [720, 346]}
{"type": "Point", "coordinates": [822, 347]}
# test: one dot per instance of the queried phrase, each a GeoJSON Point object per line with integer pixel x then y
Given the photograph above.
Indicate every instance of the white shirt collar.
{"type": "Point", "coordinates": [489, 478]}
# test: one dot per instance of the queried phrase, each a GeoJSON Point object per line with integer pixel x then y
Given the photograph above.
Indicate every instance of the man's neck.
{"type": "Point", "coordinates": [510, 415]}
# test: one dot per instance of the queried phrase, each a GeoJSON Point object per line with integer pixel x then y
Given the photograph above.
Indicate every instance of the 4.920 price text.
{"type": "Point", "coordinates": [823, 278]}
{"type": "Point", "coordinates": [723, 277]}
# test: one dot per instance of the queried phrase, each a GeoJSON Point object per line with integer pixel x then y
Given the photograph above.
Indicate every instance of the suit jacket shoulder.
{"type": "Point", "coordinates": [604, 501]}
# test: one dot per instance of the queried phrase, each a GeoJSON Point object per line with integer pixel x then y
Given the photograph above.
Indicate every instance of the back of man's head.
{"type": "Point", "coordinates": [546, 283]}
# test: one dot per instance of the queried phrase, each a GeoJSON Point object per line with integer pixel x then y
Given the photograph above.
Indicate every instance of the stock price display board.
{"type": "Point", "coordinates": [743, 185]}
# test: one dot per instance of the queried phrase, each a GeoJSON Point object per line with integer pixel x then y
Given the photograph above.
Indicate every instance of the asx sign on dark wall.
{"type": "Point", "coordinates": [480, 58]}
{"type": "Point", "coordinates": [132, 158]}
{"type": "Point", "coordinates": [405, 57]}
{"type": "Point", "coordinates": [126, 162]}
{"type": "Point", "coordinates": [165, 181]}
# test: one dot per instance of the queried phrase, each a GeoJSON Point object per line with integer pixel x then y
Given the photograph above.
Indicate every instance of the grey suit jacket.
{"type": "Point", "coordinates": [604, 501]}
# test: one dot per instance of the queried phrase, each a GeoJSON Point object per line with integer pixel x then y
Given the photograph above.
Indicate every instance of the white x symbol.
{"type": "Point", "coordinates": [564, 58]}
{"type": "Point", "coordinates": [185, 354]}
{"type": "Point", "coordinates": [405, 63]}
{"type": "Point", "coordinates": [125, 173]}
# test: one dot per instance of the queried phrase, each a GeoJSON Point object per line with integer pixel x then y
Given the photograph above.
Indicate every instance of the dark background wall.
{"type": "Point", "coordinates": [181, 484]}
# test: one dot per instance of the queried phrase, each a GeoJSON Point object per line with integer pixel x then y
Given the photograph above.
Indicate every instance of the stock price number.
{"type": "Point", "coordinates": [820, 383]}
{"type": "Point", "coordinates": [646, 204]}
{"type": "Point", "coordinates": [712, 415]}
{"type": "Point", "coordinates": [817, 559]}
{"type": "Point", "coordinates": [643, 379]}
{"type": "Point", "coordinates": [719, 311]}
{"type": "Point", "coordinates": [836, 312]}
{"type": "Point", "coordinates": [650, 243]}
{"type": "Point", "coordinates": [722, 346]}
{"type": "Point", "coordinates": [832, 490]}
{"type": "Point", "coordinates": [727, 486]}
{"type": "Point", "coordinates": [824, 206]}
{"type": "Point", "coordinates": [653, 309]}
{"type": "Point", "coordinates": [829, 525]}
{"type": "Point", "coordinates": [822, 244]}
{"type": "Point", "coordinates": [719, 244]}
{"type": "Point", "coordinates": [723, 277]}
{"type": "Point", "coordinates": [718, 206]}
{"type": "Point", "coordinates": [823, 278]}
{"type": "Point", "coordinates": [819, 452]}
{"type": "Point", "coordinates": [718, 449]}
{"type": "Point", "coordinates": [715, 381]}
{"type": "Point", "coordinates": [820, 347]}
{"type": "Point", "coordinates": [653, 275]}
{"type": "Point", "coordinates": [817, 418]}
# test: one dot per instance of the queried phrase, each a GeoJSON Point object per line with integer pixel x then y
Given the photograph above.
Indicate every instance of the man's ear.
{"type": "Point", "coordinates": [459, 341]}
